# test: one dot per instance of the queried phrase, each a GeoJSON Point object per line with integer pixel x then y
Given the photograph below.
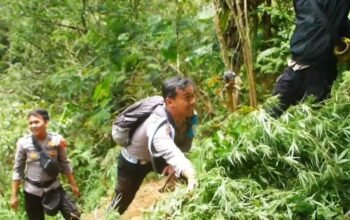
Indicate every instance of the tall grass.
{"type": "Point", "coordinates": [257, 167]}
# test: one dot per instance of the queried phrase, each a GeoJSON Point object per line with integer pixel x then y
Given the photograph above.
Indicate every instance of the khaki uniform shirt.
{"type": "Point", "coordinates": [162, 138]}
{"type": "Point", "coordinates": [27, 163]}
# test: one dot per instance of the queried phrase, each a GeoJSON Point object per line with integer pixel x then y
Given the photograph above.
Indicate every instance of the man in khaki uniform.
{"type": "Point", "coordinates": [37, 182]}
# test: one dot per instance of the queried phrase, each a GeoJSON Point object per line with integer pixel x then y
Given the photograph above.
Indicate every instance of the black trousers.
{"type": "Point", "coordinates": [130, 177]}
{"type": "Point", "coordinates": [293, 86]}
{"type": "Point", "coordinates": [35, 210]}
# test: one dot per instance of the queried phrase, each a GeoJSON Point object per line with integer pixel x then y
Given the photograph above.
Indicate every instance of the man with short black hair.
{"type": "Point", "coordinates": [154, 145]}
{"type": "Point", "coordinates": [37, 182]}
{"type": "Point", "coordinates": [312, 69]}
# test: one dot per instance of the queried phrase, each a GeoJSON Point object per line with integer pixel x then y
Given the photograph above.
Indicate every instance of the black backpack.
{"type": "Point", "coordinates": [132, 117]}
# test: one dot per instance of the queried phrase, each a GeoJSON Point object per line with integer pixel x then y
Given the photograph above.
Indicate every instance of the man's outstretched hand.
{"type": "Point", "coordinates": [191, 179]}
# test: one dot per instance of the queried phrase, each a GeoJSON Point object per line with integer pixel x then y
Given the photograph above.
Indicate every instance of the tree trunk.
{"type": "Point", "coordinates": [235, 37]}
{"type": "Point", "coordinates": [241, 18]}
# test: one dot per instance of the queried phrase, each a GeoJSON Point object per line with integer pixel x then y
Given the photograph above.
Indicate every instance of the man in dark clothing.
{"type": "Point", "coordinates": [312, 69]}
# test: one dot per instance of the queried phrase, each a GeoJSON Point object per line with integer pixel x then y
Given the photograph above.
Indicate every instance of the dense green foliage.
{"type": "Point", "coordinates": [85, 61]}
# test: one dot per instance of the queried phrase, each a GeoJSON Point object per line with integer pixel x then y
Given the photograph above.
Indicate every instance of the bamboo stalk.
{"type": "Point", "coordinates": [242, 23]}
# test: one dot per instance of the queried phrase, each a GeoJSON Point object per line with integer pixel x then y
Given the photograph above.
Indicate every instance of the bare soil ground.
{"type": "Point", "coordinates": [145, 198]}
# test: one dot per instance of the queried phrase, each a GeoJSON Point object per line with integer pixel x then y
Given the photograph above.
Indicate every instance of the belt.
{"type": "Point", "coordinates": [132, 159]}
{"type": "Point", "coordinates": [40, 184]}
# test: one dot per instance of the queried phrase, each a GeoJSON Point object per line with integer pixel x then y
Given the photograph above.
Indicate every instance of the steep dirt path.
{"type": "Point", "coordinates": [145, 198]}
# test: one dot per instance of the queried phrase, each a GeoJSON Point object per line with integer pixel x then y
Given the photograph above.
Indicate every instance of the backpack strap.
{"type": "Point", "coordinates": [36, 144]}
{"type": "Point", "coordinates": [151, 147]}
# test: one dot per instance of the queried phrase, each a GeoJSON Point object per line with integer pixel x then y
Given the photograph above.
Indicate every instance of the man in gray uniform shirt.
{"type": "Point", "coordinates": [37, 182]}
{"type": "Point", "coordinates": [153, 145]}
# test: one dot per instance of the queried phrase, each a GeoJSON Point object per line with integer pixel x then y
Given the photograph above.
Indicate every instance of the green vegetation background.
{"type": "Point", "coordinates": [86, 60]}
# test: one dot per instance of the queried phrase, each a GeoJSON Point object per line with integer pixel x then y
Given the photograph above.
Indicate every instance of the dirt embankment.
{"type": "Point", "coordinates": [145, 198]}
